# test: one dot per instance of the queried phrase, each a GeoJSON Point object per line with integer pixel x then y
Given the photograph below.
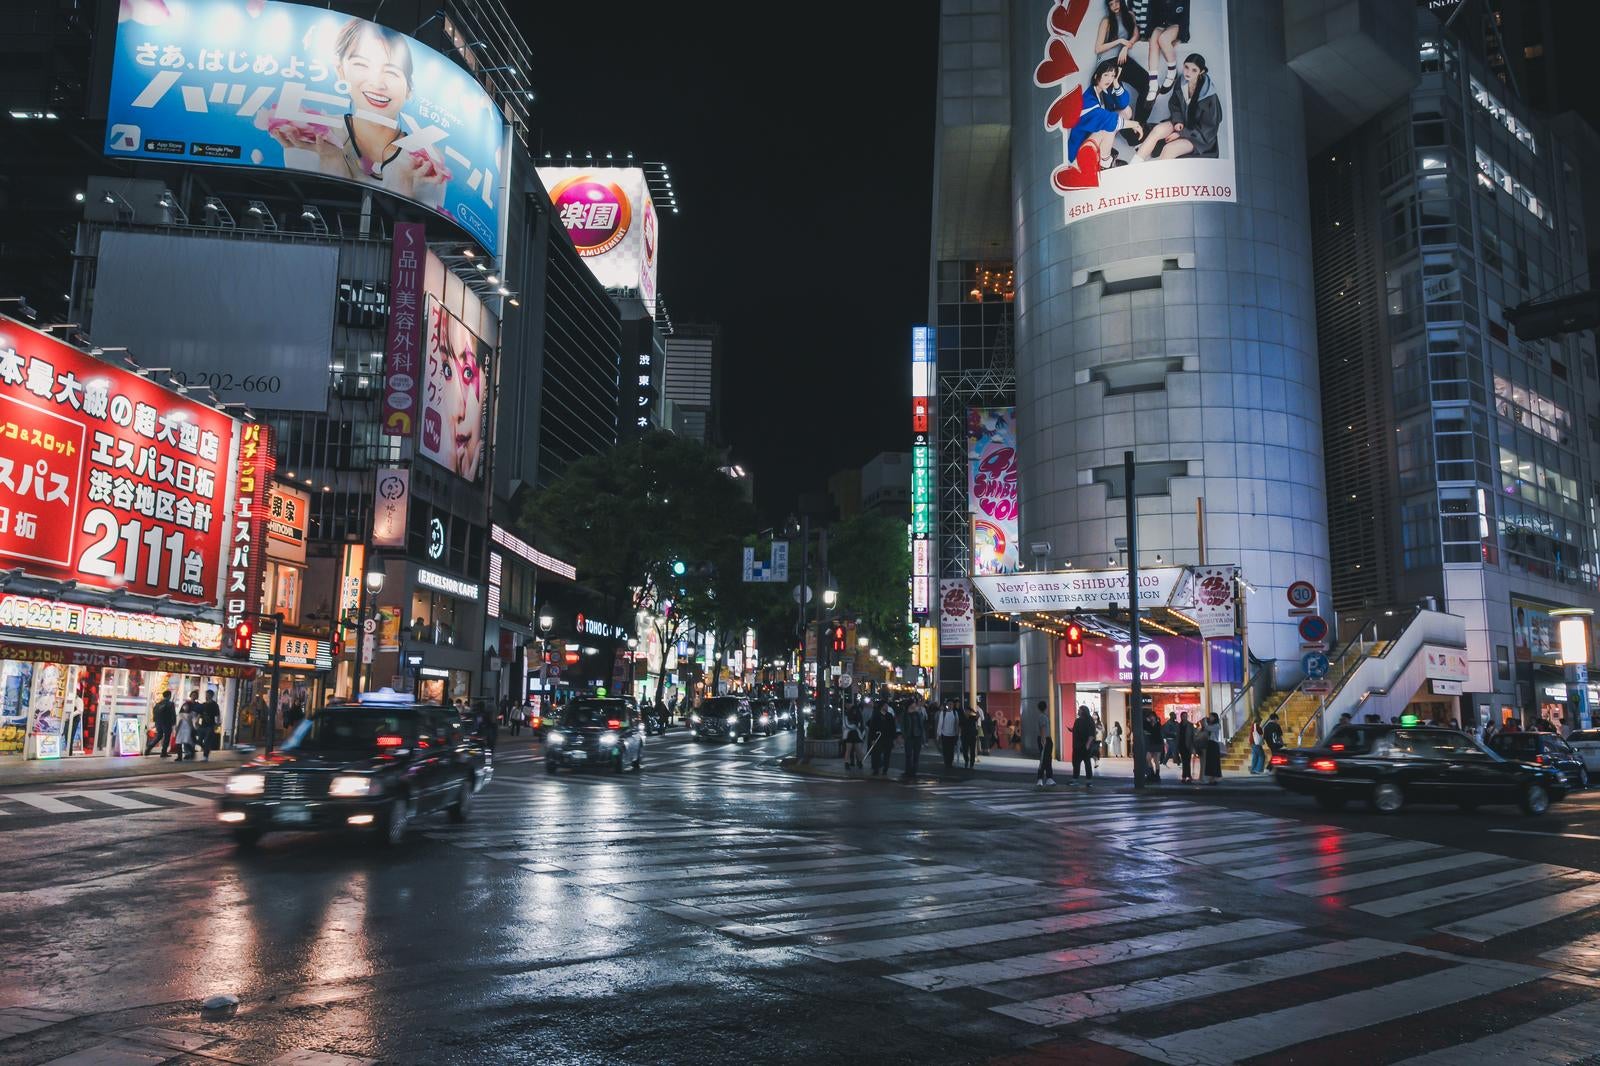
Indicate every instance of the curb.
{"type": "Point", "coordinates": [1019, 782]}
{"type": "Point", "coordinates": [78, 775]}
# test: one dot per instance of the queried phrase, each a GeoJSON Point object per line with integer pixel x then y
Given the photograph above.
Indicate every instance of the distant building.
{"type": "Point", "coordinates": [691, 386]}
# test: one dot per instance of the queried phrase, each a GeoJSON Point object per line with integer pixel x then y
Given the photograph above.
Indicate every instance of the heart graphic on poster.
{"type": "Point", "coordinates": [1063, 114]}
{"type": "Point", "coordinates": [1058, 64]}
{"type": "Point", "coordinates": [1066, 18]}
{"type": "Point", "coordinates": [1085, 174]}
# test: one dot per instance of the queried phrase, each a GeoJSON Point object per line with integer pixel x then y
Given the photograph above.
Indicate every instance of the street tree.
{"type": "Point", "coordinates": [868, 560]}
{"type": "Point", "coordinates": [646, 523]}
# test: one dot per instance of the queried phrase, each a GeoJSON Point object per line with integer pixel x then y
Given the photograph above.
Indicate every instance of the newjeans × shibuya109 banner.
{"type": "Point", "coordinates": [258, 83]}
{"type": "Point", "coordinates": [1162, 660]}
{"type": "Point", "coordinates": [1140, 93]}
{"type": "Point", "coordinates": [992, 489]}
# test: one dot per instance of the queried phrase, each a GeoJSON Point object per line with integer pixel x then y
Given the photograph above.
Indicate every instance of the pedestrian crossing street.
{"type": "Point", "coordinates": [199, 788]}
{"type": "Point", "coordinates": [1143, 967]}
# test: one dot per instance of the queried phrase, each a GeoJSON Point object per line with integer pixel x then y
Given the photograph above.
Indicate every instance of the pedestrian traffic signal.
{"type": "Point", "coordinates": [1074, 639]}
{"type": "Point", "coordinates": [838, 638]}
{"type": "Point", "coordinates": [241, 638]}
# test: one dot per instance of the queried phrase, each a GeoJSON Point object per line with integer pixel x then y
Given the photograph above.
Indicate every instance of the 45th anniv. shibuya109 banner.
{"type": "Point", "coordinates": [1140, 94]}
{"type": "Point", "coordinates": [258, 83]}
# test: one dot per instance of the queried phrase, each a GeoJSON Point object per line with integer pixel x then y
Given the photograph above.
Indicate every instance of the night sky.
{"type": "Point", "coordinates": [801, 149]}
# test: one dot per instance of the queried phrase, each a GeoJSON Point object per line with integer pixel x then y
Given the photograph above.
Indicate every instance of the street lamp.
{"type": "Point", "coordinates": [830, 596]}
{"type": "Point", "coordinates": [372, 585]}
{"type": "Point", "coordinates": [862, 642]}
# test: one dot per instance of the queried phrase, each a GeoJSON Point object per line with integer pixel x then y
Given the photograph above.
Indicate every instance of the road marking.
{"type": "Point", "coordinates": [968, 936]}
{"type": "Point", "coordinates": [1543, 833]}
{"type": "Point", "coordinates": [1244, 838]}
{"type": "Point", "coordinates": [48, 804]}
{"type": "Point", "coordinates": [1243, 1038]}
{"type": "Point", "coordinates": [1566, 1036]}
{"type": "Point", "coordinates": [1059, 961]}
{"type": "Point", "coordinates": [1327, 886]}
{"type": "Point", "coordinates": [931, 890]}
{"type": "Point", "coordinates": [1441, 895]}
{"type": "Point", "coordinates": [1580, 954]}
{"type": "Point", "coordinates": [623, 876]}
{"type": "Point", "coordinates": [1108, 1000]}
{"type": "Point", "coordinates": [1329, 861]}
{"type": "Point", "coordinates": [1524, 915]}
{"type": "Point", "coordinates": [114, 799]}
{"type": "Point", "coordinates": [753, 886]}
{"type": "Point", "coordinates": [1288, 847]}
{"type": "Point", "coordinates": [176, 797]}
{"type": "Point", "coordinates": [1019, 896]}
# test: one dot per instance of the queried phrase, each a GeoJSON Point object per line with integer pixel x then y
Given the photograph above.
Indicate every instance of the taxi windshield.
{"type": "Point", "coordinates": [360, 730]}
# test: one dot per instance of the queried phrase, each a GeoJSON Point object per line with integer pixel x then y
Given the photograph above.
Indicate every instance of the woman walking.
{"type": "Point", "coordinates": [969, 737]}
{"type": "Point", "coordinates": [184, 735]}
{"type": "Point", "coordinates": [1116, 740]}
{"type": "Point", "coordinates": [1258, 755]}
{"type": "Point", "coordinates": [852, 738]}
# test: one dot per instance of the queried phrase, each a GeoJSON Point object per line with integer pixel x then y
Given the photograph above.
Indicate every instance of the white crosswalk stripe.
{"type": "Point", "coordinates": [1327, 886]}
{"type": "Point", "coordinates": [1567, 1036]}
{"type": "Point", "coordinates": [1454, 891]}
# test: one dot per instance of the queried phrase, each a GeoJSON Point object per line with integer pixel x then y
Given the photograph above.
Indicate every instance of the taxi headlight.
{"type": "Point", "coordinates": [607, 739]}
{"type": "Point", "coordinates": [695, 718]}
{"type": "Point", "coordinates": [554, 738]}
{"type": "Point", "coordinates": [350, 785]}
{"type": "Point", "coordinates": [246, 785]}
{"type": "Point", "coordinates": [732, 718]}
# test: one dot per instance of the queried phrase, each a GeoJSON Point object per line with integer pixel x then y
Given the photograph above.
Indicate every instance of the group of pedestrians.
{"type": "Point", "coordinates": [1179, 742]}
{"type": "Point", "coordinates": [193, 727]}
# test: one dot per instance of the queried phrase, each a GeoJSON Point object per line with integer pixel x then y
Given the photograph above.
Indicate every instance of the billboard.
{"type": "Point", "coordinates": [408, 257]}
{"type": "Point", "coordinates": [288, 515]}
{"type": "Point", "coordinates": [391, 505]}
{"type": "Point", "coordinates": [992, 489]}
{"type": "Point", "coordinates": [1163, 660]}
{"type": "Point", "coordinates": [212, 309]}
{"type": "Point", "coordinates": [453, 396]}
{"type": "Point", "coordinates": [106, 478]}
{"type": "Point", "coordinates": [1144, 118]}
{"type": "Point", "coordinates": [958, 622]}
{"type": "Point", "coordinates": [257, 83]}
{"type": "Point", "coordinates": [608, 213]}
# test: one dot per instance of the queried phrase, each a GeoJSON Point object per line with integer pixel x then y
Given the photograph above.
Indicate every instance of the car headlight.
{"type": "Point", "coordinates": [607, 739]}
{"type": "Point", "coordinates": [246, 785]}
{"type": "Point", "coordinates": [765, 719]}
{"type": "Point", "coordinates": [555, 738]}
{"type": "Point", "coordinates": [732, 718]}
{"type": "Point", "coordinates": [695, 718]}
{"type": "Point", "coordinates": [350, 785]}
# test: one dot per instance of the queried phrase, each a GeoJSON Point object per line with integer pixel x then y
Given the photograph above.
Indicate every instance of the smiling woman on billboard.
{"type": "Point", "coordinates": [374, 68]}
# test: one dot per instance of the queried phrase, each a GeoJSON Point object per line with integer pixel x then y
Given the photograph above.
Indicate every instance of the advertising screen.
{"type": "Point", "coordinates": [608, 213]}
{"type": "Point", "coordinates": [1141, 98]}
{"type": "Point", "coordinates": [257, 83]}
{"type": "Point", "coordinates": [992, 489]}
{"type": "Point", "coordinates": [453, 394]}
{"type": "Point", "coordinates": [106, 478]}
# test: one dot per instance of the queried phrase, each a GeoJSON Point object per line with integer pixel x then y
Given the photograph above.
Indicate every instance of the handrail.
{"type": "Point", "coordinates": [1347, 669]}
{"type": "Point", "coordinates": [1266, 669]}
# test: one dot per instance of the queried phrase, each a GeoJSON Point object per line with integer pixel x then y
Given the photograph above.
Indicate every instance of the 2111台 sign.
{"type": "Point", "coordinates": [106, 478]}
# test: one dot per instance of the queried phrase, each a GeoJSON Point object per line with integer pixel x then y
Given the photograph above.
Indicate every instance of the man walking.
{"type": "Point", "coordinates": [914, 729]}
{"type": "Point", "coordinates": [163, 716]}
{"type": "Point", "coordinates": [210, 725]}
{"type": "Point", "coordinates": [880, 738]}
{"type": "Point", "coordinates": [1169, 739]}
{"type": "Point", "coordinates": [1083, 745]}
{"type": "Point", "coordinates": [949, 733]}
{"type": "Point", "coordinates": [1272, 732]}
{"type": "Point", "coordinates": [1047, 750]}
{"type": "Point", "coordinates": [969, 736]}
{"type": "Point", "coordinates": [1185, 744]}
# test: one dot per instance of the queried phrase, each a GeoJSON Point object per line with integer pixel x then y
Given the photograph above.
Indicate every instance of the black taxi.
{"type": "Point", "coordinates": [371, 765]}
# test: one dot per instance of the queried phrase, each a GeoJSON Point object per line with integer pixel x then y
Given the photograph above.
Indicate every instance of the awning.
{"type": "Point", "coordinates": [83, 653]}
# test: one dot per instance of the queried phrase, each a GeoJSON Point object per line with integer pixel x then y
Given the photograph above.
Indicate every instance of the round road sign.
{"type": "Point", "coordinates": [845, 680]}
{"type": "Point", "coordinates": [1315, 664]}
{"type": "Point", "coordinates": [1313, 629]}
{"type": "Point", "coordinates": [1302, 594]}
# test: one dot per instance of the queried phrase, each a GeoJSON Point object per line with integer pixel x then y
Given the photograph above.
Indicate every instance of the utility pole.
{"type": "Point", "coordinates": [800, 628]}
{"type": "Point", "coordinates": [1135, 693]}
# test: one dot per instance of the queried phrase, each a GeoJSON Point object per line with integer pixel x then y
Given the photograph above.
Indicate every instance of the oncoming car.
{"type": "Point", "coordinates": [602, 733]}
{"type": "Point", "coordinates": [723, 718]}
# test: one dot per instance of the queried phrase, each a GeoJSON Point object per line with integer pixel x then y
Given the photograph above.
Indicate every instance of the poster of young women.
{"type": "Point", "coordinates": [1140, 94]}
{"type": "Point", "coordinates": [992, 489]}
{"type": "Point", "coordinates": [258, 83]}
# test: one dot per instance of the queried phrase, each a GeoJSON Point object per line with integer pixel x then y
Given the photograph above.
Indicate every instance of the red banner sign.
{"type": "Point", "coordinates": [246, 554]}
{"type": "Point", "coordinates": [402, 354]}
{"type": "Point", "coordinates": [107, 478]}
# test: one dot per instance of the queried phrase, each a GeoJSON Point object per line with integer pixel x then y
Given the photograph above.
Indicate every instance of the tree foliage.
{"type": "Point", "coordinates": [867, 558]}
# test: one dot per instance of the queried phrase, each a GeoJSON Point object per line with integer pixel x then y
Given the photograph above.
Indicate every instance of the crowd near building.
{"type": "Point", "coordinates": [1285, 270]}
{"type": "Point", "coordinates": [295, 320]}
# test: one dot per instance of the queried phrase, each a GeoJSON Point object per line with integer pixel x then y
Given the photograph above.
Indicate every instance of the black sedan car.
{"type": "Point", "coordinates": [1545, 749]}
{"type": "Point", "coordinates": [593, 732]}
{"type": "Point", "coordinates": [372, 765]}
{"type": "Point", "coordinates": [723, 718]}
{"type": "Point", "coordinates": [1390, 766]}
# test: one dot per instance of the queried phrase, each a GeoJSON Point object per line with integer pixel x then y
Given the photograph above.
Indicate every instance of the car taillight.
{"type": "Point", "coordinates": [1335, 747]}
{"type": "Point", "coordinates": [614, 723]}
{"type": "Point", "coordinates": [1279, 760]}
{"type": "Point", "coordinates": [1326, 765]}
{"type": "Point", "coordinates": [1543, 760]}
{"type": "Point", "coordinates": [390, 741]}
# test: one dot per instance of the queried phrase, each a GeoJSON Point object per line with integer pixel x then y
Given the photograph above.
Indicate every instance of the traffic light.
{"type": "Point", "coordinates": [839, 636]}
{"type": "Point", "coordinates": [241, 638]}
{"type": "Point", "coordinates": [1074, 639]}
{"type": "Point", "coordinates": [679, 568]}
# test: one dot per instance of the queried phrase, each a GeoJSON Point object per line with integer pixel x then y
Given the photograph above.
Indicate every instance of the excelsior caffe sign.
{"type": "Point", "coordinates": [1066, 590]}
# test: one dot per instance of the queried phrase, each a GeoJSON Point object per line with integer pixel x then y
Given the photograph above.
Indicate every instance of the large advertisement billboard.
{"type": "Point", "coordinates": [1141, 96]}
{"type": "Point", "coordinates": [106, 478]}
{"type": "Point", "coordinates": [992, 489]}
{"type": "Point", "coordinates": [453, 394]}
{"type": "Point", "coordinates": [258, 83]}
{"type": "Point", "coordinates": [608, 213]}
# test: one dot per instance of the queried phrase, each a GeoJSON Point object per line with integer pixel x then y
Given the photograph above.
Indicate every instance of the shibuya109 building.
{"type": "Point", "coordinates": [1266, 250]}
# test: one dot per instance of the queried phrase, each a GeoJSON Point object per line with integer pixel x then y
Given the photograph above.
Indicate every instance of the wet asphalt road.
{"type": "Point", "coordinates": [715, 909]}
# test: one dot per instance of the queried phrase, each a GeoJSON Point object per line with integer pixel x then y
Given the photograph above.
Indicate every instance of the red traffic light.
{"type": "Point", "coordinates": [241, 637]}
{"type": "Point", "coordinates": [838, 638]}
{"type": "Point", "coordinates": [1074, 640]}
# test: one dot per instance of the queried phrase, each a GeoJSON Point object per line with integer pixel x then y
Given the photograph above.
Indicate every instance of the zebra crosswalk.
{"type": "Point", "coordinates": [1473, 896]}
{"type": "Point", "coordinates": [108, 799]}
{"type": "Point", "coordinates": [1145, 968]}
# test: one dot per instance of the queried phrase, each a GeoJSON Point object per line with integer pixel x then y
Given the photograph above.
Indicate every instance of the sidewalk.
{"type": "Point", "coordinates": [16, 773]}
{"type": "Point", "coordinates": [1006, 767]}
